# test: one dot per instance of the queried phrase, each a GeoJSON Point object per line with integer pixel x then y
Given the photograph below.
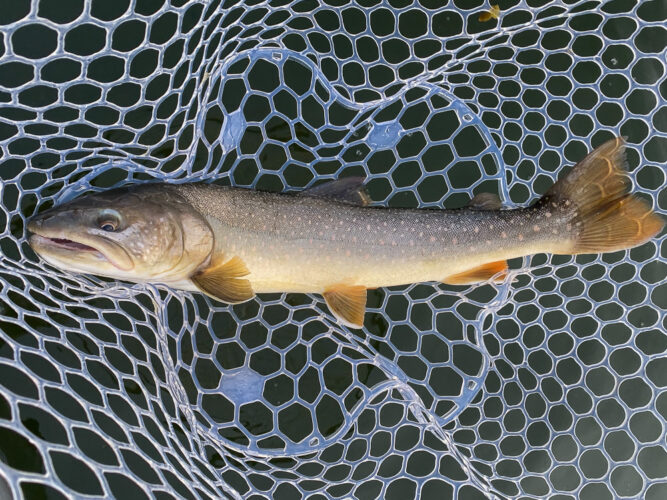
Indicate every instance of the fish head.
{"type": "Point", "coordinates": [142, 234]}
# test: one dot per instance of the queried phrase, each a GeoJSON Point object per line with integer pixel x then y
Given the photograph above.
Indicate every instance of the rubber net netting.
{"type": "Point", "coordinates": [549, 384]}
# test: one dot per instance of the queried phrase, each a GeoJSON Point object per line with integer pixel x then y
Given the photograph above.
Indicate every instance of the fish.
{"type": "Point", "coordinates": [233, 243]}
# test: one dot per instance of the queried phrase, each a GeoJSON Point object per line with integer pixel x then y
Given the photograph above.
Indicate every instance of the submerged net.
{"type": "Point", "coordinates": [550, 383]}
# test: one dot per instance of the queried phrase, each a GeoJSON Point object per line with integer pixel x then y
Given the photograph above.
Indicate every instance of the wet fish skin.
{"type": "Point", "coordinates": [231, 243]}
{"type": "Point", "coordinates": [302, 244]}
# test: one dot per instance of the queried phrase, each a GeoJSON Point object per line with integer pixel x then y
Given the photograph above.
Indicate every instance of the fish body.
{"type": "Point", "coordinates": [304, 244]}
{"type": "Point", "coordinates": [232, 243]}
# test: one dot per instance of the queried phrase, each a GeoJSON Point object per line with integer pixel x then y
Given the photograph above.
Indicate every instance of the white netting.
{"type": "Point", "coordinates": [552, 384]}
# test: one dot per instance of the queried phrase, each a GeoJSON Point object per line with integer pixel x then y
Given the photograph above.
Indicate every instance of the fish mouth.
{"type": "Point", "coordinates": [66, 244]}
{"type": "Point", "coordinates": [61, 248]}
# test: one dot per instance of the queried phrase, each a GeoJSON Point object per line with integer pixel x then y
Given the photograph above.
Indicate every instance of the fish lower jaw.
{"type": "Point", "coordinates": [62, 243]}
{"type": "Point", "coordinates": [67, 254]}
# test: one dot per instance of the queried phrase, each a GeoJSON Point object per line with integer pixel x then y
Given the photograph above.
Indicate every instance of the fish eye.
{"type": "Point", "coordinates": [109, 222]}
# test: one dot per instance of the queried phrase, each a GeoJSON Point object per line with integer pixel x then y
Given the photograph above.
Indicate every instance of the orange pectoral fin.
{"type": "Point", "coordinates": [223, 281]}
{"type": "Point", "coordinates": [479, 274]}
{"type": "Point", "coordinates": [347, 303]}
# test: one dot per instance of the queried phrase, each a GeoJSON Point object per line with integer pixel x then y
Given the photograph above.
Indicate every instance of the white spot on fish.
{"type": "Point", "coordinates": [547, 215]}
{"type": "Point", "coordinates": [536, 228]}
{"type": "Point", "coordinates": [476, 230]}
{"type": "Point", "coordinates": [503, 234]}
{"type": "Point", "coordinates": [520, 237]}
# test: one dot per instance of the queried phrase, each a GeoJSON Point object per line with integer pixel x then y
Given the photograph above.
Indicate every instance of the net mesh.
{"type": "Point", "coordinates": [551, 383]}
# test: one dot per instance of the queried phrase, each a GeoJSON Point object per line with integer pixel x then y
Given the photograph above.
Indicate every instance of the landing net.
{"type": "Point", "coordinates": [549, 384]}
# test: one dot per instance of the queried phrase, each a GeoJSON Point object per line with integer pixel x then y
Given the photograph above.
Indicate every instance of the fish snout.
{"type": "Point", "coordinates": [35, 225]}
{"type": "Point", "coordinates": [49, 221]}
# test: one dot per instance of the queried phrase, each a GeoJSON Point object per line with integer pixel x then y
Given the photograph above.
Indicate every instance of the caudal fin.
{"type": "Point", "coordinates": [605, 216]}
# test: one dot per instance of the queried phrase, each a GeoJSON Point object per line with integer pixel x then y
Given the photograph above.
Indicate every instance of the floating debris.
{"type": "Point", "coordinates": [492, 13]}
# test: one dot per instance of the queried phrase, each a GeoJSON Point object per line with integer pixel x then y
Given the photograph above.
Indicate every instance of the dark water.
{"type": "Point", "coordinates": [273, 154]}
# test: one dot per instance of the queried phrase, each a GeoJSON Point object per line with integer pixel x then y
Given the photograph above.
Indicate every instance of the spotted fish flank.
{"type": "Point", "coordinates": [232, 243]}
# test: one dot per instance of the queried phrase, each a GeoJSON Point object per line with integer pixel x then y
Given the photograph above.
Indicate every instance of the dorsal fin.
{"type": "Point", "coordinates": [347, 303]}
{"type": "Point", "coordinates": [485, 201]}
{"type": "Point", "coordinates": [347, 190]}
{"type": "Point", "coordinates": [479, 274]}
{"type": "Point", "coordinates": [222, 280]}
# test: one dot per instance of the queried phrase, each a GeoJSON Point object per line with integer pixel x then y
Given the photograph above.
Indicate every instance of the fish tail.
{"type": "Point", "coordinates": [601, 213]}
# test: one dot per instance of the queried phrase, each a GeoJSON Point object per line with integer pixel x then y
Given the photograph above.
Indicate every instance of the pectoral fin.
{"type": "Point", "coordinates": [347, 303]}
{"type": "Point", "coordinates": [223, 281]}
{"type": "Point", "coordinates": [479, 274]}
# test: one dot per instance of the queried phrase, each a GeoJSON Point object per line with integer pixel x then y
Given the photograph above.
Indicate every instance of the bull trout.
{"type": "Point", "coordinates": [233, 243]}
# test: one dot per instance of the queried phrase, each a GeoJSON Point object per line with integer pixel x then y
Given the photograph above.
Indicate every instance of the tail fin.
{"type": "Point", "coordinates": [605, 215]}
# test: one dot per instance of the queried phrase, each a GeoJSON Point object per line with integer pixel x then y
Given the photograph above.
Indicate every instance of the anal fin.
{"type": "Point", "coordinates": [479, 274]}
{"type": "Point", "coordinates": [223, 281]}
{"type": "Point", "coordinates": [347, 303]}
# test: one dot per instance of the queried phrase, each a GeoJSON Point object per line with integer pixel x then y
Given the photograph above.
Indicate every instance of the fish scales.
{"type": "Point", "coordinates": [303, 244]}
